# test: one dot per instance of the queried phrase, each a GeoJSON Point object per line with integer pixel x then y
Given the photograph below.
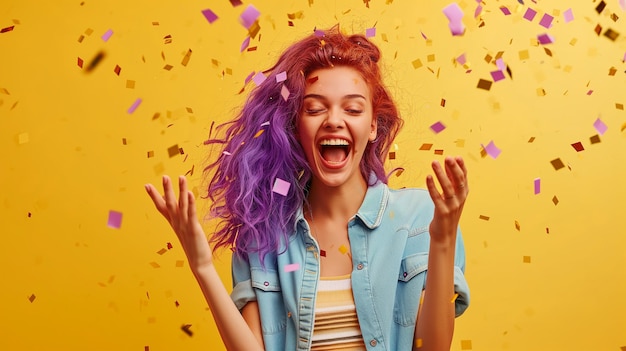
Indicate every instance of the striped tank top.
{"type": "Point", "coordinates": [336, 324]}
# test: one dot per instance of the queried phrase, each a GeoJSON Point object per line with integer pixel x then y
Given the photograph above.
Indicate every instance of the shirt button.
{"type": "Point", "coordinates": [373, 343]}
{"type": "Point", "coordinates": [359, 266]}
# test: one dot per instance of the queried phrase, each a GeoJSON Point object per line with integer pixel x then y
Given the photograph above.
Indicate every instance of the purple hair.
{"type": "Point", "coordinates": [260, 144]}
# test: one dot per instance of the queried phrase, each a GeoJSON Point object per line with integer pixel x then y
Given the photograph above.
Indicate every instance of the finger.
{"type": "Point", "coordinates": [157, 199]}
{"type": "Point", "coordinates": [168, 190]}
{"type": "Point", "coordinates": [191, 210]}
{"type": "Point", "coordinates": [456, 175]}
{"type": "Point", "coordinates": [444, 181]}
{"type": "Point", "coordinates": [433, 191]}
{"type": "Point", "coordinates": [182, 196]}
{"type": "Point", "coordinates": [461, 163]}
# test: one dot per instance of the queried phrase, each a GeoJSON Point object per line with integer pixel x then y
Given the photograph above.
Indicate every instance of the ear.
{"type": "Point", "coordinates": [374, 130]}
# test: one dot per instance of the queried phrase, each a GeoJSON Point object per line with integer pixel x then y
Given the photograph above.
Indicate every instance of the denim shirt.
{"type": "Point", "coordinates": [389, 243]}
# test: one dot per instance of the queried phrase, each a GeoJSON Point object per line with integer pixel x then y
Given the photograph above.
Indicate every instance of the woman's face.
{"type": "Point", "coordinates": [335, 124]}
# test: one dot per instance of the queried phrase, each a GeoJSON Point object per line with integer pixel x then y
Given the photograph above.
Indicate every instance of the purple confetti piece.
{"type": "Point", "coordinates": [530, 14]}
{"type": "Point", "coordinates": [492, 150]}
{"type": "Point", "coordinates": [505, 10]}
{"type": "Point", "coordinates": [545, 39]}
{"type": "Point", "coordinates": [500, 64]}
{"type": "Point", "coordinates": [319, 33]}
{"type": "Point", "coordinates": [292, 267]}
{"type": "Point", "coordinates": [437, 127]}
{"type": "Point", "coordinates": [259, 78]}
{"type": "Point", "coordinates": [622, 4]}
{"type": "Point", "coordinates": [537, 185]}
{"type": "Point", "coordinates": [370, 32]}
{"type": "Point", "coordinates": [134, 106]}
{"type": "Point", "coordinates": [115, 219]}
{"type": "Point", "coordinates": [568, 15]}
{"type": "Point", "coordinates": [105, 37]}
{"type": "Point", "coordinates": [455, 16]}
{"type": "Point", "coordinates": [249, 16]}
{"type": "Point", "coordinates": [497, 75]}
{"type": "Point", "coordinates": [249, 77]}
{"type": "Point", "coordinates": [209, 15]}
{"type": "Point", "coordinates": [284, 92]}
{"type": "Point", "coordinates": [281, 77]}
{"type": "Point", "coordinates": [600, 126]}
{"type": "Point", "coordinates": [546, 21]}
{"type": "Point", "coordinates": [281, 187]}
{"type": "Point", "coordinates": [245, 44]}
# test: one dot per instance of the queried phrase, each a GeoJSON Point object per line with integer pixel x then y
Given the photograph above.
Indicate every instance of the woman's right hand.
{"type": "Point", "coordinates": [181, 215]}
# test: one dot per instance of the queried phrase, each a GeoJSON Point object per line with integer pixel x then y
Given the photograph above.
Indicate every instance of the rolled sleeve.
{"type": "Point", "coordinates": [460, 284]}
{"type": "Point", "coordinates": [242, 284]}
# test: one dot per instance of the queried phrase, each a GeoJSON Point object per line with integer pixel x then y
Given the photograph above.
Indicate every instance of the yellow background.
{"type": "Point", "coordinates": [65, 166]}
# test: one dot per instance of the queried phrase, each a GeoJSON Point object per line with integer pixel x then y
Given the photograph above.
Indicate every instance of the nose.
{"type": "Point", "coordinates": [334, 119]}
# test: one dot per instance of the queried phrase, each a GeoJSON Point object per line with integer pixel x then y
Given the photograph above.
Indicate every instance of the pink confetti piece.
{"type": "Point", "coordinates": [461, 59]}
{"type": "Point", "coordinates": [600, 126]}
{"type": "Point", "coordinates": [134, 106]}
{"type": "Point", "coordinates": [249, 77]}
{"type": "Point", "coordinates": [259, 78]}
{"type": "Point", "coordinates": [105, 37]}
{"type": "Point", "coordinates": [249, 16]}
{"type": "Point", "coordinates": [530, 14]}
{"type": "Point", "coordinates": [568, 15]}
{"type": "Point", "coordinates": [537, 183]}
{"type": "Point", "coordinates": [505, 10]}
{"type": "Point", "coordinates": [455, 17]}
{"type": "Point", "coordinates": [545, 39]}
{"type": "Point", "coordinates": [492, 150]}
{"type": "Point", "coordinates": [546, 21]}
{"type": "Point", "coordinates": [497, 75]}
{"type": "Point", "coordinates": [478, 11]}
{"type": "Point", "coordinates": [370, 32]}
{"type": "Point", "coordinates": [115, 219]}
{"type": "Point", "coordinates": [245, 44]}
{"type": "Point", "coordinates": [589, 92]}
{"type": "Point", "coordinates": [319, 33]}
{"type": "Point", "coordinates": [423, 35]}
{"type": "Point", "coordinates": [284, 92]}
{"type": "Point", "coordinates": [281, 187]}
{"type": "Point", "coordinates": [209, 15]}
{"type": "Point", "coordinates": [266, 123]}
{"type": "Point", "coordinates": [292, 267]}
{"type": "Point", "coordinates": [622, 4]}
{"type": "Point", "coordinates": [500, 64]}
{"type": "Point", "coordinates": [281, 77]}
{"type": "Point", "coordinates": [438, 127]}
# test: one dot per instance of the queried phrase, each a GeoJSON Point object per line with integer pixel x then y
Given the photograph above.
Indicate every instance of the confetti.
{"type": "Point", "coordinates": [492, 150]}
{"type": "Point", "coordinates": [259, 78]}
{"type": "Point", "coordinates": [32, 298]}
{"type": "Point", "coordinates": [134, 106]}
{"type": "Point", "coordinates": [418, 343]}
{"type": "Point", "coordinates": [173, 150]}
{"type": "Point", "coordinates": [426, 147]}
{"type": "Point", "coordinates": [95, 61]}
{"type": "Point", "coordinates": [505, 10]}
{"type": "Point", "coordinates": [281, 187]}
{"type": "Point", "coordinates": [530, 14]}
{"type": "Point", "coordinates": [117, 69]}
{"type": "Point", "coordinates": [545, 39]}
{"type": "Point", "coordinates": [322, 253]}
{"type": "Point", "coordinates": [455, 16]}
{"type": "Point", "coordinates": [7, 29]}
{"type": "Point", "coordinates": [546, 21]}
{"type": "Point", "coordinates": [526, 259]}
{"type": "Point", "coordinates": [417, 63]}
{"type": "Point", "coordinates": [115, 219]}
{"type": "Point", "coordinates": [209, 15]}
{"type": "Point", "coordinates": [517, 226]}
{"type": "Point", "coordinates": [461, 59]}
{"type": "Point", "coordinates": [292, 267]}
{"type": "Point", "coordinates": [343, 249]}
{"type": "Point", "coordinates": [497, 75]}
{"type": "Point", "coordinates": [454, 297]}
{"type": "Point", "coordinates": [107, 35]}
{"type": "Point", "coordinates": [557, 164]}
{"type": "Point", "coordinates": [22, 138]}
{"type": "Point", "coordinates": [600, 7]}
{"type": "Point", "coordinates": [186, 328]}
{"type": "Point", "coordinates": [595, 139]}
{"type": "Point", "coordinates": [186, 58]}
{"type": "Point", "coordinates": [235, 3]}
{"type": "Point", "coordinates": [483, 217]}
{"type": "Point", "coordinates": [245, 44]}
{"type": "Point", "coordinates": [600, 126]}
{"type": "Point", "coordinates": [622, 3]}
{"type": "Point", "coordinates": [537, 183]}
{"type": "Point", "coordinates": [568, 15]}
{"type": "Point", "coordinates": [555, 200]}
{"type": "Point", "coordinates": [284, 92]}
{"type": "Point", "coordinates": [578, 146]}
{"type": "Point", "coordinates": [484, 84]}
{"type": "Point", "coordinates": [249, 16]}
{"type": "Point", "coordinates": [466, 344]}
{"type": "Point", "coordinates": [281, 77]}
{"type": "Point", "coordinates": [370, 32]}
{"type": "Point", "coordinates": [437, 127]}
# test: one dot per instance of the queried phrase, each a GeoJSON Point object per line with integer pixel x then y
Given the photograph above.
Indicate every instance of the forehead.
{"type": "Point", "coordinates": [338, 80]}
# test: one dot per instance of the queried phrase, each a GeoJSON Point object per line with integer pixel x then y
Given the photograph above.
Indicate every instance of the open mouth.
{"type": "Point", "coordinates": [334, 151]}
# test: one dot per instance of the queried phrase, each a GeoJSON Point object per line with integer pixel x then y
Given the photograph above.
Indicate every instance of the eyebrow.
{"type": "Point", "coordinates": [346, 97]}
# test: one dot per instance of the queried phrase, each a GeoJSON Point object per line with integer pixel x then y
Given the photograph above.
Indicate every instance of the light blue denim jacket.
{"type": "Point", "coordinates": [389, 242]}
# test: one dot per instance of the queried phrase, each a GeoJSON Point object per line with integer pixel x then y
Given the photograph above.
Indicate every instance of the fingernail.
{"type": "Point", "coordinates": [147, 187]}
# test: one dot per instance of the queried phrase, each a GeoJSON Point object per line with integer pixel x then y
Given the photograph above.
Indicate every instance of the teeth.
{"type": "Point", "coordinates": [334, 142]}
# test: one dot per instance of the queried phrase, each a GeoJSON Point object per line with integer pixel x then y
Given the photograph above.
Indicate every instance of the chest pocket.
{"type": "Point", "coordinates": [266, 284]}
{"type": "Point", "coordinates": [411, 280]}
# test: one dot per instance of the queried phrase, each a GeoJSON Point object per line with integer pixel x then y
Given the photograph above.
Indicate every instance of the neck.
{"type": "Point", "coordinates": [341, 202]}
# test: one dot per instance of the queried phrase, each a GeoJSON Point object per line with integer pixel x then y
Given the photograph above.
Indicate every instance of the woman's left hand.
{"type": "Point", "coordinates": [452, 178]}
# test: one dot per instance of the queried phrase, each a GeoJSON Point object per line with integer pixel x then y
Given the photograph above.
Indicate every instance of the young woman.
{"type": "Point", "coordinates": [325, 255]}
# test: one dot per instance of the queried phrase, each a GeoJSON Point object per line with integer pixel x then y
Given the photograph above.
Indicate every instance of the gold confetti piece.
{"type": "Point", "coordinates": [32, 298]}
{"type": "Point", "coordinates": [150, 154]}
{"type": "Point", "coordinates": [526, 259]}
{"type": "Point", "coordinates": [130, 84]}
{"type": "Point", "coordinates": [180, 263]}
{"type": "Point", "coordinates": [443, 102]}
{"type": "Point", "coordinates": [155, 23]}
{"type": "Point", "coordinates": [117, 69]}
{"type": "Point", "coordinates": [466, 344]}
{"type": "Point", "coordinates": [4, 91]}
{"type": "Point", "coordinates": [259, 133]}
{"type": "Point", "coordinates": [484, 84]}
{"type": "Point", "coordinates": [611, 34]}
{"type": "Point", "coordinates": [460, 143]}
{"type": "Point", "coordinates": [485, 218]}
{"type": "Point", "coordinates": [81, 38]}
{"type": "Point", "coordinates": [88, 31]}
{"type": "Point", "coordinates": [523, 55]}
{"type": "Point", "coordinates": [531, 140]}
{"type": "Point", "coordinates": [173, 150]}
{"type": "Point", "coordinates": [343, 249]}
{"type": "Point", "coordinates": [454, 297]}
{"type": "Point", "coordinates": [417, 63]}
{"type": "Point", "coordinates": [517, 226]}
{"type": "Point", "coordinates": [557, 164]}
{"type": "Point", "coordinates": [426, 147]}
{"type": "Point", "coordinates": [162, 251]}
{"type": "Point", "coordinates": [418, 343]}
{"type": "Point", "coordinates": [555, 200]}
{"type": "Point", "coordinates": [430, 58]}
{"type": "Point", "coordinates": [80, 62]}
{"type": "Point", "coordinates": [185, 328]}
{"type": "Point", "coordinates": [598, 29]}
{"type": "Point", "coordinates": [438, 151]}
{"type": "Point", "coordinates": [573, 42]}
{"type": "Point", "coordinates": [23, 138]}
{"type": "Point", "coordinates": [95, 61]}
{"type": "Point", "coordinates": [123, 141]}
{"type": "Point", "coordinates": [168, 67]}
{"type": "Point", "coordinates": [595, 139]}
{"type": "Point", "coordinates": [547, 230]}
{"type": "Point", "coordinates": [541, 92]}
{"type": "Point", "coordinates": [254, 30]}
{"type": "Point", "coordinates": [155, 265]}
{"type": "Point", "coordinates": [619, 106]}
{"type": "Point", "coordinates": [623, 127]}
{"type": "Point", "coordinates": [151, 320]}
{"type": "Point", "coordinates": [186, 58]}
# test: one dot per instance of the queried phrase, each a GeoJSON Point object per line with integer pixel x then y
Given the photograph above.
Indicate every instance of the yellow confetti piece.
{"type": "Point", "coordinates": [417, 63]}
{"type": "Point", "coordinates": [180, 263]}
{"type": "Point", "coordinates": [454, 298]}
{"type": "Point", "coordinates": [162, 251]}
{"type": "Point", "coordinates": [22, 138]}
{"type": "Point", "coordinates": [526, 259]}
{"type": "Point", "coordinates": [517, 226]}
{"type": "Point", "coordinates": [130, 84]}
{"type": "Point", "coordinates": [466, 344]}
{"type": "Point", "coordinates": [343, 249]}
{"type": "Point", "coordinates": [418, 343]}
{"type": "Point", "coordinates": [524, 55]}
{"type": "Point", "coordinates": [259, 133]}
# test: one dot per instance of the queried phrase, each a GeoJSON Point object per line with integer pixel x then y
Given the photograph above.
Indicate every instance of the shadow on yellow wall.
{"type": "Point", "coordinates": [88, 264]}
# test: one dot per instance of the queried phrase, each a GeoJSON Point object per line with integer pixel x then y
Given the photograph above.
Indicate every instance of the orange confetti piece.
{"type": "Point", "coordinates": [32, 298]}
{"type": "Point", "coordinates": [454, 297]}
{"type": "Point", "coordinates": [259, 133]}
{"type": "Point", "coordinates": [466, 344]}
{"type": "Point", "coordinates": [526, 259]}
{"type": "Point", "coordinates": [485, 218]}
{"type": "Point", "coordinates": [418, 343]}
{"type": "Point", "coordinates": [557, 164]}
{"type": "Point", "coordinates": [343, 249]}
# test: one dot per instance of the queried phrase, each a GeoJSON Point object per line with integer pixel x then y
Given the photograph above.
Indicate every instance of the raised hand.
{"type": "Point", "coordinates": [448, 203]}
{"type": "Point", "coordinates": [181, 215]}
